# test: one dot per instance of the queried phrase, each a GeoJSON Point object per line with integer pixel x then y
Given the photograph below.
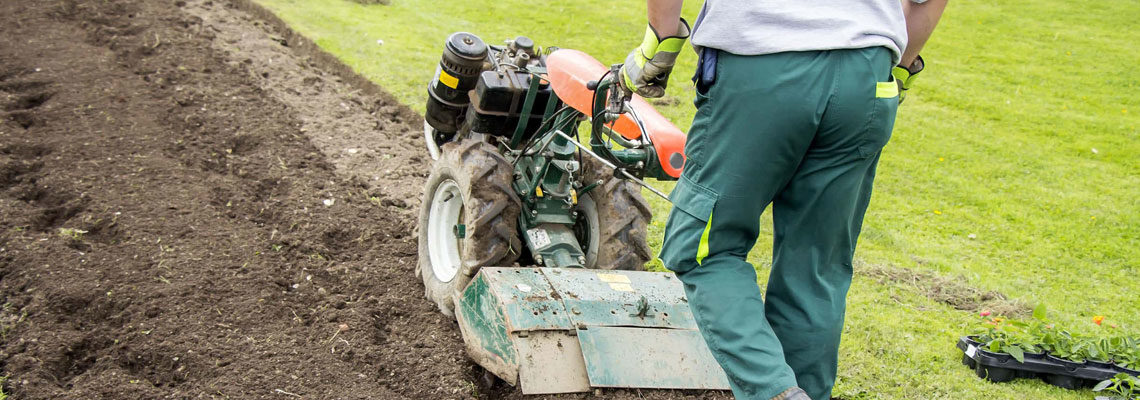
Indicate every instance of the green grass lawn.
{"type": "Point", "coordinates": [1014, 165]}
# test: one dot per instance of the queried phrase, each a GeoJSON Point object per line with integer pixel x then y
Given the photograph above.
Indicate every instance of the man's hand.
{"type": "Point", "coordinates": [905, 76]}
{"type": "Point", "coordinates": [646, 70]}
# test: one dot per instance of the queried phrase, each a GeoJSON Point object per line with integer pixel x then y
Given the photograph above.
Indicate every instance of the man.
{"type": "Point", "coordinates": [795, 101]}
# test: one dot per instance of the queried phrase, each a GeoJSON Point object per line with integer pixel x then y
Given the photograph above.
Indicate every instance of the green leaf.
{"type": "Point", "coordinates": [1017, 353]}
{"type": "Point", "coordinates": [1039, 312]}
{"type": "Point", "coordinates": [1102, 385]}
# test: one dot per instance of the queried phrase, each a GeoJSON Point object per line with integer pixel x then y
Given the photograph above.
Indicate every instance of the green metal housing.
{"type": "Point", "coordinates": [554, 330]}
{"type": "Point", "coordinates": [547, 171]}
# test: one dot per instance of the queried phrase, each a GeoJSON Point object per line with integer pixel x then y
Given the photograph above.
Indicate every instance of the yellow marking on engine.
{"type": "Point", "coordinates": [538, 191]}
{"type": "Point", "coordinates": [447, 79]}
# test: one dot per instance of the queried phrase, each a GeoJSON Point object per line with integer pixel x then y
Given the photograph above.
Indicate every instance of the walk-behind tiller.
{"type": "Point", "coordinates": [512, 184]}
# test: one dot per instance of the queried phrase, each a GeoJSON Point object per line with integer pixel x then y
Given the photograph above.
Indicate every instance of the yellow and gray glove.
{"type": "Point", "coordinates": [646, 70]}
{"type": "Point", "coordinates": [905, 76]}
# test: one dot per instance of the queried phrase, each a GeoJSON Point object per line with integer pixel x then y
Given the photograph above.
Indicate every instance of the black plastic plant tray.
{"type": "Point", "coordinates": [1000, 367]}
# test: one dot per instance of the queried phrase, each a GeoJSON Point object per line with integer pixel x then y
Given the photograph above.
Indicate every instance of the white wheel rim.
{"type": "Point", "coordinates": [589, 208]}
{"type": "Point", "coordinates": [443, 246]}
{"type": "Point", "coordinates": [429, 139]}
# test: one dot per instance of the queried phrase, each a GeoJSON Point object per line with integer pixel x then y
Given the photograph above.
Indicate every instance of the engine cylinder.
{"type": "Point", "coordinates": [464, 57]}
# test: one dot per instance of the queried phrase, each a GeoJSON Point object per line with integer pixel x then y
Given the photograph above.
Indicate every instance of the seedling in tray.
{"type": "Point", "coordinates": [1003, 350]}
{"type": "Point", "coordinates": [1121, 387]}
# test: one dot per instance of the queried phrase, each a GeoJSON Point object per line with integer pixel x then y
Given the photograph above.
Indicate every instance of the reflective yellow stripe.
{"type": "Point", "coordinates": [901, 75]}
{"type": "Point", "coordinates": [886, 89]}
{"type": "Point", "coordinates": [649, 44]}
{"type": "Point", "coordinates": [672, 45]}
{"type": "Point", "coordinates": [703, 247]}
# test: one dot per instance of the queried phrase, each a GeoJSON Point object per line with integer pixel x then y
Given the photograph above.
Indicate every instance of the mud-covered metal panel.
{"type": "Point", "coordinates": [649, 358]}
{"type": "Point", "coordinates": [484, 329]}
{"type": "Point", "coordinates": [622, 298]}
{"type": "Point", "coordinates": [551, 362]}
{"type": "Point", "coordinates": [527, 300]}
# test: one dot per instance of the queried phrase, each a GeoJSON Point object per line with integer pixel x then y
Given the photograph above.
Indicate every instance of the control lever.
{"type": "Point", "coordinates": [616, 104]}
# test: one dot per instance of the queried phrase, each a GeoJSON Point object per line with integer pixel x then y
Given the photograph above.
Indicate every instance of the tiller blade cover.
{"type": "Point", "coordinates": [560, 330]}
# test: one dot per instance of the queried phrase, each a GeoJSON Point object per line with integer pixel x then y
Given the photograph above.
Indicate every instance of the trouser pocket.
{"type": "Point", "coordinates": [885, 106]}
{"type": "Point", "coordinates": [687, 231]}
{"type": "Point", "coordinates": [706, 117]}
{"type": "Point", "coordinates": [705, 75]}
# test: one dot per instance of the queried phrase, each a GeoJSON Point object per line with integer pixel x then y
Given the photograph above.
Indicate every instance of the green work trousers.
{"type": "Point", "coordinates": [801, 131]}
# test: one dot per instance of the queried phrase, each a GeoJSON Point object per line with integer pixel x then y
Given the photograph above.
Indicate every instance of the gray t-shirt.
{"type": "Point", "coordinates": [753, 27]}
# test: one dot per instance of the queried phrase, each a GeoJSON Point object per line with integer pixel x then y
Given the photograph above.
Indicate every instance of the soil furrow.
{"type": "Point", "coordinates": [172, 226]}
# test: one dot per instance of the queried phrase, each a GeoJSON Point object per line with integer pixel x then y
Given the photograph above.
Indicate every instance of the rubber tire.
{"type": "Point", "coordinates": [623, 217]}
{"type": "Point", "coordinates": [490, 212]}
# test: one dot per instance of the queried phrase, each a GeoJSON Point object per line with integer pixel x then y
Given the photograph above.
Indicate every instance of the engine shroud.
{"type": "Point", "coordinates": [497, 103]}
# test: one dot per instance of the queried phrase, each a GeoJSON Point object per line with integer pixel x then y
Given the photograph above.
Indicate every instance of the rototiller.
{"type": "Point", "coordinates": [514, 183]}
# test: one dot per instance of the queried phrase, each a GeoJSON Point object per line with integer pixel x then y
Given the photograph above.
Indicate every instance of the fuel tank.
{"type": "Point", "coordinates": [569, 70]}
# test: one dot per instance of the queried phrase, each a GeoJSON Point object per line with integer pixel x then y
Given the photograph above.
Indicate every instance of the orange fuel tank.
{"type": "Point", "coordinates": [569, 71]}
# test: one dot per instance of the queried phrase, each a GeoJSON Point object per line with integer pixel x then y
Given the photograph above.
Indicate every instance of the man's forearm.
{"type": "Point", "coordinates": [920, 22]}
{"type": "Point", "coordinates": [665, 16]}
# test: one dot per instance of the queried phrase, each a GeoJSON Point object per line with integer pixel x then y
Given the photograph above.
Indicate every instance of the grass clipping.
{"type": "Point", "coordinates": [952, 292]}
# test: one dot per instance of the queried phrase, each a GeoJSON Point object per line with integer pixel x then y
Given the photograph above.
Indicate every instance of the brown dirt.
{"type": "Point", "coordinates": [191, 207]}
{"type": "Point", "coordinates": [164, 229]}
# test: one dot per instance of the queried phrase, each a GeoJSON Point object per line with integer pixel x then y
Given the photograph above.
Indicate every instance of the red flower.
{"type": "Point", "coordinates": [985, 313]}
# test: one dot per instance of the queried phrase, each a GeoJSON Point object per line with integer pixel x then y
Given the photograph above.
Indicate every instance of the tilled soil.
{"type": "Point", "coordinates": [191, 208]}
{"type": "Point", "coordinates": [169, 230]}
